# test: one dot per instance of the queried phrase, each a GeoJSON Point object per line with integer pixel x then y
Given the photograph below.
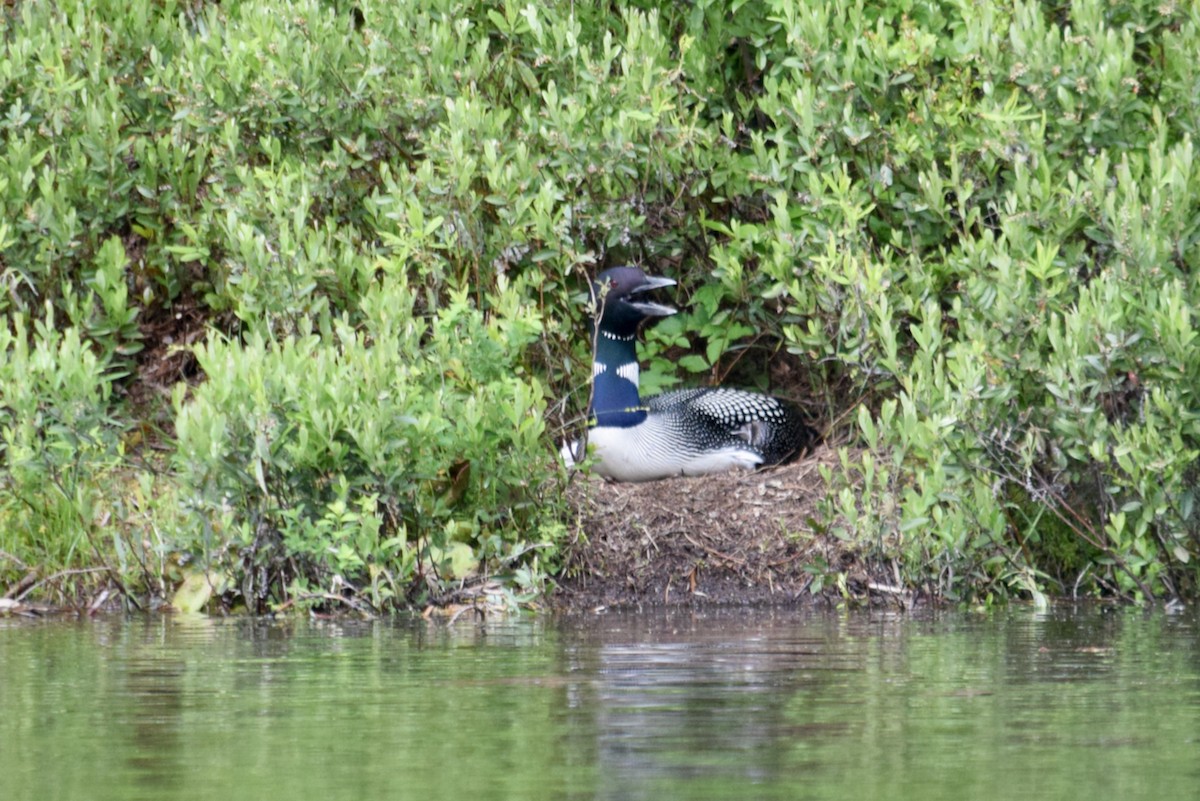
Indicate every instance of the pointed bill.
{"type": "Point", "coordinates": [648, 307]}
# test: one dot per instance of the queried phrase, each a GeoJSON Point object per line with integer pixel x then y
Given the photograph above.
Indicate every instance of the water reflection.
{"type": "Point", "coordinates": [686, 706]}
{"type": "Point", "coordinates": [686, 687]}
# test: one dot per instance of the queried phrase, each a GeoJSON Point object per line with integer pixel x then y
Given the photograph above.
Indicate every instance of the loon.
{"type": "Point", "coordinates": [687, 432]}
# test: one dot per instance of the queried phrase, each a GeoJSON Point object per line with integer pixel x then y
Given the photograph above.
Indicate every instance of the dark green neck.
{"type": "Point", "coordinates": [615, 400]}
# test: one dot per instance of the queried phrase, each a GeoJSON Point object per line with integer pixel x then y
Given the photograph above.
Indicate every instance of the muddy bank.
{"type": "Point", "coordinates": [739, 538]}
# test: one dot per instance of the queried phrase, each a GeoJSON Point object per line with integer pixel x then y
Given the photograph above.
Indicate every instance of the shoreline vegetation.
{"type": "Point", "coordinates": [294, 299]}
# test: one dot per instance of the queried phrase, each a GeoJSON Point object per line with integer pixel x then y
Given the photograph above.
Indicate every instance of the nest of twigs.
{"type": "Point", "coordinates": [737, 538]}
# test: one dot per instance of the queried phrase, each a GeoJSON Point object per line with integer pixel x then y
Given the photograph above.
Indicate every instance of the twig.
{"type": "Point", "coordinates": [98, 601]}
{"type": "Point", "coordinates": [72, 572]}
{"type": "Point", "coordinates": [712, 552]}
{"type": "Point", "coordinates": [328, 596]}
{"type": "Point", "coordinates": [579, 453]}
{"type": "Point", "coordinates": [1078, 579]}
{"type": "Point", "coordinates": [466, 608]}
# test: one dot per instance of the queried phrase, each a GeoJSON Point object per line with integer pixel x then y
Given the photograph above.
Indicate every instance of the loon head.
{"type": "Point", "coordinates": [620, 308]}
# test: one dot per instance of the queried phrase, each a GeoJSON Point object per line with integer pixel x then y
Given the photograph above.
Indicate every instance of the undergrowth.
{"type": "Point", "coordinates": [963, 233]}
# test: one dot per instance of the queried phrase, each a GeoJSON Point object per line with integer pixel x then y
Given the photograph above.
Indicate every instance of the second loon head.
{"type": "Point", "coordinates": [620, 309]}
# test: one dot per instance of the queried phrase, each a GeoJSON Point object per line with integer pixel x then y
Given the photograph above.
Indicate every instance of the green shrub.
{"type": "Point", "coordinates": [59, 447]}
{"type": "Point", "coordinates": [966, 230]}
{"type": "Point", "coordinates": [350, 454]}
{"type": "Point", "coordinates": [1009, 270]}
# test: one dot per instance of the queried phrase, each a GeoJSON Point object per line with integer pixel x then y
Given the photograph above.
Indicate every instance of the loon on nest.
{"type": "Point", "coordinates": [688, 432]}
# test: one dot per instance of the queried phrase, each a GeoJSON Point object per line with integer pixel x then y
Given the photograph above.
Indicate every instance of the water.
{"type": "Point", "coordinates": [771, 705]}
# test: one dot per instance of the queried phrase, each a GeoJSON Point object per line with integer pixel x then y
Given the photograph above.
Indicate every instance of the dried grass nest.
{"type": "Point", "coordinates": [736, 538]}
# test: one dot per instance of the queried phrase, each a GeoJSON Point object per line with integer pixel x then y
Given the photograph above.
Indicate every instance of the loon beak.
{"type": "Point", "coordinates": [650, 308]}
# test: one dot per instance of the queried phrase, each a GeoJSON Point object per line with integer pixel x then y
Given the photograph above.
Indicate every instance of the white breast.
{"type": "Point", "coordinates": [649, 452]}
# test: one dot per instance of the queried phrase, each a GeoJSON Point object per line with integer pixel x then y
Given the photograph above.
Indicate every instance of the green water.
{"type": "Point", "coordinates": [1015, 705]}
